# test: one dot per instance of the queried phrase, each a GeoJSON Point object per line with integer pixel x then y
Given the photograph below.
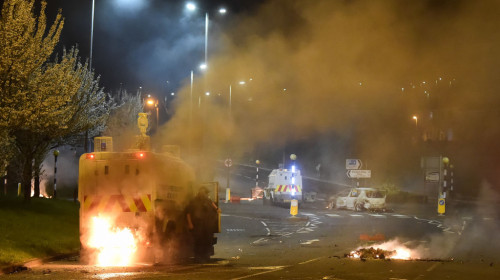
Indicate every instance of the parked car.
{"type": "Point", "coordinates": [358, 199]}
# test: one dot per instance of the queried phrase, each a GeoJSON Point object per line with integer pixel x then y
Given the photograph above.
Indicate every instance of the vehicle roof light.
{"type": "Point", "coordinates": [90, 156]}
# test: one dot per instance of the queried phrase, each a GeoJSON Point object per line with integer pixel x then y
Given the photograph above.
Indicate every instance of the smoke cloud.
{"type": "Point", "coordinates": [354, 69]}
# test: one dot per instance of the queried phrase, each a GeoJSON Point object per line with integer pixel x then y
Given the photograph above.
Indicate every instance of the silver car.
{"type": "Point", "coordinates": [359, 199]}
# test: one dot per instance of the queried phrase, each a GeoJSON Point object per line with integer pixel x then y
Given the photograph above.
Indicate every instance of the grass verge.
{"type": "Point", "coordinates": [37, 229]}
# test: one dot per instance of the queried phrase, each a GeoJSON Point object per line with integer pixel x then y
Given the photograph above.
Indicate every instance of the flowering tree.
{"type": "Point", "coordinates": [122, 123]}
{"type": "Point", "coordinates": [43, 103]}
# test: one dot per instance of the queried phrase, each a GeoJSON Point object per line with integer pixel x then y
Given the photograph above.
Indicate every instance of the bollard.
{"type": "Point", "coordinates": [294, 207]}
{"type": "Point", "coordinates": [441, 206]}
{"type": "Point", "coordinates": [18, 189]}
{"type": "Point", "coordinates": [228, 195]}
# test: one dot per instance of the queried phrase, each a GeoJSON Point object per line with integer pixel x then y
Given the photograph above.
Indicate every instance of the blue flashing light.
{"type": "Point", "coordinates": [293, 168]}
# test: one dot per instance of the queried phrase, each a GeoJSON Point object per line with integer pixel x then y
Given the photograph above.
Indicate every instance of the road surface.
{"type": "Point", "coordinates": [260, 241]}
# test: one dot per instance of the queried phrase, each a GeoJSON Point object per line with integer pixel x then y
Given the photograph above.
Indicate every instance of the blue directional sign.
{"type": "Point", "coordinates": [352, 164]}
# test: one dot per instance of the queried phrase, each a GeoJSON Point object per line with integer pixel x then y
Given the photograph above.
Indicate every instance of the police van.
{"type": "Point", "coordinates": [284, 186]}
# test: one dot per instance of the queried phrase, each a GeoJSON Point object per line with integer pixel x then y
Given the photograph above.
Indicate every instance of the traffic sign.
{"type": "Point", "coordinates": [359, 173]}
{"type": "Point", "coordinates": [432, 176]}
{"type": "Point", "coordinates": [228, 162]}
{"type": "Point", "coordinates": [352, 164]}
{"type": "Point", "coordinates": [441, 206]}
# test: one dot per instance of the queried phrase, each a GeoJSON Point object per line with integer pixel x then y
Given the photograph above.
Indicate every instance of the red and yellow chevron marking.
{"type": "Point", "coordinates": [288, 188]}
{"type": "Point", "coordinates": [117, 203]}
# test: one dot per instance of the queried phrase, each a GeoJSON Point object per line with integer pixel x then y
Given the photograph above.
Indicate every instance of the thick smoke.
{"type": "Point", "coordinates": [315, 67]}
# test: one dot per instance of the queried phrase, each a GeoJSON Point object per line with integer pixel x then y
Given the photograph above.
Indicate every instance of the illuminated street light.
{"type": "Point", "coordinates": [203, 66]}
{"type": "Point", "coordinates": [207, 93]}
{"type": "Point", "coordinates": [242, 82]}
{"type": "Point", "coordinates": [416, 120]}
{"type": "Point", "coordinates": [154, 104]}
{"type": "Point", "coordinates": [190, 6]}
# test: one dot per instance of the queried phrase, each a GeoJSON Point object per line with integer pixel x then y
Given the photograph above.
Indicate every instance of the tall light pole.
{"type": "Point", "coordinates": [191, 101]}
{"type": "Point", "coordinates": [206, 37]}
{"type": "Point", "coordinates": [190, 6]}
{"type": "Point", "coordinates": [86, 142]}
{"type": "Point", "coordinates": [91, 35]}
{"type": "Point", "coordinates": [153, 102]}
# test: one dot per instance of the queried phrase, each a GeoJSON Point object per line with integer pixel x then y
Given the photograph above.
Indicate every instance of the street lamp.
{"type": "Point", "coordinates": [190, 6]}
{"type": "Point", "coordinates": [152, 102]}
{"type": "Point", "coordinates": [416, 120]}
{"type": "Point", "coordinates": [241, 83]}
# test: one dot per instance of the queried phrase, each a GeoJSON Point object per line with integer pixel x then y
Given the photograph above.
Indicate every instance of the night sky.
{"type": "Point", "coordinates": [145, 43]}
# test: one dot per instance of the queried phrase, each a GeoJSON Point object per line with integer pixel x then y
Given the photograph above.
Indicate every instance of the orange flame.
{"type": "Point", "coordinates": [401, 252]}
{"type": "Point", "coordinates": [114, 246]}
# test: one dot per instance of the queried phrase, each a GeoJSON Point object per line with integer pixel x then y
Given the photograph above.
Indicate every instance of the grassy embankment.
{"type": "Point", "coordinates": [37, 229]}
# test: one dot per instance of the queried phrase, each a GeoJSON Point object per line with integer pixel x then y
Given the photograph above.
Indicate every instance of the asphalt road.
{"type": "Point", "coordinates": [260, 241]}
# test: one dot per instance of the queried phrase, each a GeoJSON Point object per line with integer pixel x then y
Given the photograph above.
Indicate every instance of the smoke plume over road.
{"type": "Point", "coordinates": [359, 69]}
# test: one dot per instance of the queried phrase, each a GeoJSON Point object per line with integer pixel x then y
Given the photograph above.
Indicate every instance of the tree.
{"type": "Point", "coordinates": [122, 123]}
{"type": "Point", "coordinates": [6, 148]}
{"type": "Point", "coordinates": [43, 103]}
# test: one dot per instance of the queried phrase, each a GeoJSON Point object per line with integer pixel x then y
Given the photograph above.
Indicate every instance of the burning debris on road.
{"type": "Point", "coordinates": [385, 251]}
{"type": "Point", "coordinates": [372, 253]}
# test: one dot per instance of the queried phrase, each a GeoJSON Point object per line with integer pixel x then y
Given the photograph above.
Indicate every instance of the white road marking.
{"type": "Point", "coordinates": [260, 240]}
{"type": "Point", "coordinates": [265, 267]}
{"type": "Point", "coordinates": [309, 242]}
{"type": "Point", "coordinates": [378, 215]}
{"type": "Point", "coordinates": [276, 268]}
{"type": "Point", "coordinates": [355, 215]}
{"type": "Point", "coordinates": [311, 260]}
{"type": "Point", "coordinates": [334, 215]}
{"type": "Point", "coordinates": [401, 216]}
{"type": "Point", "coordinates": [305, 230]}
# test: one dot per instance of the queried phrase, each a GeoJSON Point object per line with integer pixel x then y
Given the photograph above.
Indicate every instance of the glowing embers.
{"type": "Point", "coordinates": [114, 246]}
{"type": "Point", "coordinates": [388, 250]}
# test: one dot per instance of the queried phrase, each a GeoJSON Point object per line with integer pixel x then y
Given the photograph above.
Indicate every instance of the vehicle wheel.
{"type": "Point", "coordinates": [358, 207]}
{"type": "Point", "coordinates": [332, 205]}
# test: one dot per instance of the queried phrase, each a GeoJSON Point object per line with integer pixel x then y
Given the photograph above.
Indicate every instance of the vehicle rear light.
{"type": "Point", "coordinates": [90, 156]}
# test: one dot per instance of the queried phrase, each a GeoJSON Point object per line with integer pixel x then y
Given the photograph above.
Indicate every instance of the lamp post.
{"type": "Point", "coordinates": [56, 153]}
{"type": "Point", "coordinates": [190, 6]}
{"type": "Point", "coordinates": [416, 120]}
{"type": "Point", "coordinates": [153, 102]}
